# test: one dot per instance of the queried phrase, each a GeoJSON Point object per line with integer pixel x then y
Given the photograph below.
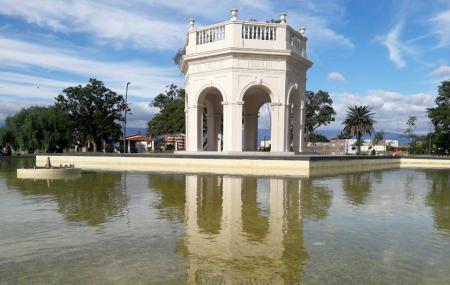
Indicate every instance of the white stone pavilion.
{"type": "Point", "coordinates": [231, 70]}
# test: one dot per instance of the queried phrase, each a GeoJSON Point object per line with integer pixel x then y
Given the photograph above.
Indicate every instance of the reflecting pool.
{"type": "Point", "coordinates": [381, 227]}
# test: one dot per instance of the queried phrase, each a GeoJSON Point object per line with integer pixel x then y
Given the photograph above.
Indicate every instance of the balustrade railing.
{"type": "Point", "coordinates": [259, 32]}
{"type": "Point", "coordinates": [210, 35]}
{"type": "Point", "coordinates": [296, 42]}
{"type": "Point", "coordinates": [249, 34]}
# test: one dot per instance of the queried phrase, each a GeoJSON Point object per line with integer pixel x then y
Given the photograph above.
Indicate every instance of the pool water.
{"type": "Point", "coordinates": [380, 227]}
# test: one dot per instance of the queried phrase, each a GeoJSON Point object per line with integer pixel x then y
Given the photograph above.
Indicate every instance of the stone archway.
{"type": "Point", "coordinates": [254, 98]}
{"type": "Point", "coordinates": [210, 103]}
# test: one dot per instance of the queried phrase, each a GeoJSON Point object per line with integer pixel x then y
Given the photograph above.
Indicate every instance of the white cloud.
{"type": "Point", "coordinates": [318, 29]}
{"type": "Point", "coordinates": [141, 113]}
{"type": "Point", "coordinates": [442, 71]}
{"type": "Point", "coordinates": [395, 47]}
{"type": "Point", "coordinates": [9, 108]}
{"type": "Point", "coordinates": [146, 80]}
{"type": "Point", "coordinates": [213, 9]}
{"type": "Point", "coordinates": [21, 87]}
{"type": "Point", "coordinates": [441, 27]}
{"type": "Point", "coordinates": [147, 24]}
{"type": "Point", "coordinates": [391, 108]}
{"type": "Point", "coordinates": [336, 76]}
{"type": "Point", "coordinates": [120, 23]}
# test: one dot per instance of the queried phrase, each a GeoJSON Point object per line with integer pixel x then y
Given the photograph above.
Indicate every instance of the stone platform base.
{"type": "Point", "coordinates": [261, 164]}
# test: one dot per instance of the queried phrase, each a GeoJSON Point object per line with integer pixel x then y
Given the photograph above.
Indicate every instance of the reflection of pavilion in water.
{"type": "Point", "coordinates": [239, 231]}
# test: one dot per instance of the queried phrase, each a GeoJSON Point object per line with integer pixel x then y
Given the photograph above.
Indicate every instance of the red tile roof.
{"type": "Point", "coordinates": [139, 138]}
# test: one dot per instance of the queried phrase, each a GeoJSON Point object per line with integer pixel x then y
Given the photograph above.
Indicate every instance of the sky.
{"type": "Point", "coordinates": [391, 55]}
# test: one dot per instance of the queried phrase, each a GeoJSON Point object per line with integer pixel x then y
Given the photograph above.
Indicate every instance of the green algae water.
{"type": "Point", "coordinates": [382, 227]}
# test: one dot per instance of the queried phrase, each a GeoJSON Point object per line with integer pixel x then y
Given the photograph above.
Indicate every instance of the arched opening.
{"type": "Point", "coordinates": [254, 109]}
{"type": "Point", "coordinates": [210, 120]}
{"type": "Point", "coordinates": [295, 134]}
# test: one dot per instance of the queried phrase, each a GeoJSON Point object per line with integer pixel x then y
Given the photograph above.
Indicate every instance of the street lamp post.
{"type": "Point", "coordinates": [125, 121]}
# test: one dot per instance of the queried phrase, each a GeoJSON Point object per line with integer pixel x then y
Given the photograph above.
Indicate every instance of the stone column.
{"type": "Point", "coordinates": [280, 128]}
{"type": "Point", "coordinates": [296, 128]}
{"type": "Point", "coordinates": [302, 143]}
{"type": "Point", "coordinates": [232, 133]}
{"type": "Point", "coordinates": [195, 128]}
{"type": "Point", "coordinates": [186, 124]}
{"type": "Point", "coordinates": [192, 185]}
{"type": "Point", "coordinates": [250, 132]}
{"type": "Point", "coordinates": [277, 219]}
{"type": "Point", "coordinates": [218, 136]}
{"type": "Point", "coordinates": [231, 223]}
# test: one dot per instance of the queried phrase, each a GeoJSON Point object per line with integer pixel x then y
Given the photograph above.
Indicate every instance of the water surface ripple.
{"type": "Point", "coordinates": [380, 227]}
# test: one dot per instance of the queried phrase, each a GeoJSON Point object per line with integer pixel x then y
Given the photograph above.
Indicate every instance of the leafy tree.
{"type": "Point", "coordinates": [94, 111]}
{"type": "Point", "coordinates": [171, 118]}
{"type": "Point", "coordinates": [179, 56]}
{"type": "Point", "coordinates": [358, 122]}
{"type": "Point", "coordinates": [410, 131]}
{"type": "Point", "coordinates": [37, 129]}
{"type": "Point", "coordinates": [378, 136]}
{"type": "Point", "coordinates": [317, 138]}
{"type": "Point", "coordinates": [440, 117]}
{"type": "Point", "coordinates": [357, 188]}
{"type": "Point", "coordinates": [343, 136]}
{"type": "Point", "coordinates": [319, 111]}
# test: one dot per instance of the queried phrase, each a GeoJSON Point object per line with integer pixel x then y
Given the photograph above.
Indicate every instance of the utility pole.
{"type": "Point", "coordinates": [125, 122]}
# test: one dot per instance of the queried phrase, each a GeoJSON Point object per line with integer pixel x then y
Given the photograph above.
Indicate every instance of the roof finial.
{"type": "Point", "coordinates": [234, 12]}
{"type": "Point", "coordinates": [191, 24]}
{"type": "Point", "coordinates": [283, 18]}
{"type": "Point", "coordinates": [302, 31]}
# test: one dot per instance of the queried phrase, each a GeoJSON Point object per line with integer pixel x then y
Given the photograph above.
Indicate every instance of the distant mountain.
{"type": "Point", "coordinates": [133, 131]}
{"type": "Point", "coordinates": [387, 135]}
{"type": "Point", "coordinates": [265, 133]}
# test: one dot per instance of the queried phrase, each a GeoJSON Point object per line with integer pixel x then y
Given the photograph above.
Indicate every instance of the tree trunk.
{"type": "Point", "coordinates": [94, 145]}
{"type": "Point", "coordinates": [358, 142]}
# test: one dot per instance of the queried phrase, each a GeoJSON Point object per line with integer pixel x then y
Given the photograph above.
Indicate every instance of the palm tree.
{"type": "Point", "coordinates": [358, 122]}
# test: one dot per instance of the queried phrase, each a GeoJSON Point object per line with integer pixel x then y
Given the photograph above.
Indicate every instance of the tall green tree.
{"type": "Point", "coordinates": [378, 136]}
{"type": "Point", "coordinates": [171, 117]}
{"type": "Point", "coordinates": [178, 57]}
{"type": "Point", "coordinates": [94, 111]}
{"type": "Point", "coordinates": [440, 117]}
{"type": "Point", "coordinates": [319, 111]}
{"type": "Point", "coordinates": [358, 122]}
{"type": "Point", "coordinates": [37, 129]}
{"type": "Point", "coordinates": [410, 131]}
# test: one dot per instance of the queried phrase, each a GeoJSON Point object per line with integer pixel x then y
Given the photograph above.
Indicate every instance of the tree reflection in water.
{"type": "Point", "coordinates": [438, 198]}
{"type": "Point", "coordinates": [357, 187]}
{"type": "Point", "coordinates": [93, 199]}
{"type": "Point", "coordinates": [172, 195]}
{"type": "Point", "coordinates": [315, 199]}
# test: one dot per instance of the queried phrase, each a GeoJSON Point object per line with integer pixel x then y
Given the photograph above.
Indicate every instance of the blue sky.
{"type": "Point", "coordinates": [389, 54]}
